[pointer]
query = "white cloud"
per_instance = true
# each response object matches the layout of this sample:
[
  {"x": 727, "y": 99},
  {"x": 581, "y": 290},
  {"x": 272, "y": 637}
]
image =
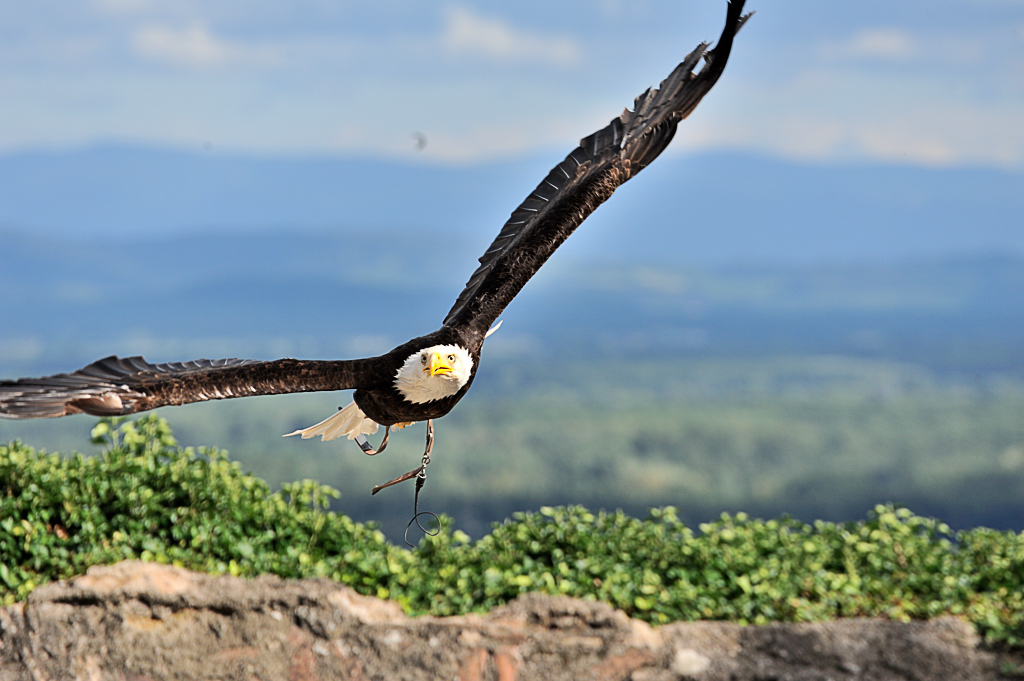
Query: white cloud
[
  {"x": 469, "y": 33},
  {"x": 272, "y": 79},
  {"x": 197, "y": 46},
  {"x": 825, "y": 114},
  {"x": 889, "y": 44},
  {"x": 891, "y": 47}
]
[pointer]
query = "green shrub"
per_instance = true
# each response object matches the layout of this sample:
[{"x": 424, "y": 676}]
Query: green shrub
[
  {"x": 894, "y": 565},
  {"x": 145, "y": 497}
]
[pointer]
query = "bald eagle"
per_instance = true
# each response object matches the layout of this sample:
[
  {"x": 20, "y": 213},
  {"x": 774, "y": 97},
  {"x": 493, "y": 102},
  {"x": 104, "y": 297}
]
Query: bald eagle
[{"x": 424, "y": 378}]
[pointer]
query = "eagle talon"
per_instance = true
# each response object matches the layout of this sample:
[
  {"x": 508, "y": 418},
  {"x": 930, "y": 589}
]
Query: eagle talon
[{"x": 368, "y": 449}]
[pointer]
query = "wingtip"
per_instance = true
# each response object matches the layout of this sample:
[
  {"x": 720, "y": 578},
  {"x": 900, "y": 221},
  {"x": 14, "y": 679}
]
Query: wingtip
[{"x": 744, "y": 19}]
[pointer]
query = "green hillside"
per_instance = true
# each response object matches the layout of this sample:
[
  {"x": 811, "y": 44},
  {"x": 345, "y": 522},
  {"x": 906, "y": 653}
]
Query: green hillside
[{"x": 816, "y": 437}]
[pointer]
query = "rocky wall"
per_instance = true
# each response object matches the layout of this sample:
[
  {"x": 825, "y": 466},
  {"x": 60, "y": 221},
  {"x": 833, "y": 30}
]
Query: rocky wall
[{"x": 143, "y": 622}]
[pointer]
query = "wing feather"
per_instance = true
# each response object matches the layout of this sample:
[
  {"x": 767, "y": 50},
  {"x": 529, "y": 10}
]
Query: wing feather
[
  {"x": 585, "y": 179},
  {"x": 116, "y": 386}
]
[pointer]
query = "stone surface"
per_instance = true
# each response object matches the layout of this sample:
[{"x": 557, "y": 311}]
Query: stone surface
[{"x": 145, "y": 622}]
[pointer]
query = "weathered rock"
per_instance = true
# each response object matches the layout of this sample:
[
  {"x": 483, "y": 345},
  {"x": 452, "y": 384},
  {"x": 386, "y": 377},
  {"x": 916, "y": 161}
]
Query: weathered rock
[{"x": 145, "y": 622}]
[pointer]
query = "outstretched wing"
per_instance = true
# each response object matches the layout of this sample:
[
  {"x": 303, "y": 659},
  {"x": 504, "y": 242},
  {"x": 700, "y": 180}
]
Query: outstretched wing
[
  {"x": 585, "y": 179},
  {"x": 117, "y": 386}
]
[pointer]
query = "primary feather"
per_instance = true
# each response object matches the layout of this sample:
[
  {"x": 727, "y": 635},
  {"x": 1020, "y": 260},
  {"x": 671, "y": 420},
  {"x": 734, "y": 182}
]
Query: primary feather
[
  {"x": 117, "y": 386},
  {"x": 586, "y": 178}
]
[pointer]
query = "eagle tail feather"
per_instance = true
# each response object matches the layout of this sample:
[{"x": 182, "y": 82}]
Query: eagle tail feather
[{"x": 350, "y": 421}]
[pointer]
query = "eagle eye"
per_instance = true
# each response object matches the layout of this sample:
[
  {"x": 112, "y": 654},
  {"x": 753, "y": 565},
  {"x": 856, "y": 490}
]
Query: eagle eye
[
  {"x": 451, "y": 358},
  {"x": 423, "y": 358}
]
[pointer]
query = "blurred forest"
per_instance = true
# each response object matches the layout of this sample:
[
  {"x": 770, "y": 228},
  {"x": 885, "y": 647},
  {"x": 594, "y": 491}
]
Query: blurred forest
[
  {"x": 813, "y": 390},
  {"x": 815, "y": 437}
]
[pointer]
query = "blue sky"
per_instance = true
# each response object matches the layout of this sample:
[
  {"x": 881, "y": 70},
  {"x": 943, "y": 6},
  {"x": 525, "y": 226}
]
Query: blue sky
[{"x": 934, "y": 84}]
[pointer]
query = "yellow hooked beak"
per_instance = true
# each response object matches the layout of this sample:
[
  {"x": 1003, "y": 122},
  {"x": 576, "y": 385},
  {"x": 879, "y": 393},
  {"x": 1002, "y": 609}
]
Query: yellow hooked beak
[{"x": 439, "y": 365}]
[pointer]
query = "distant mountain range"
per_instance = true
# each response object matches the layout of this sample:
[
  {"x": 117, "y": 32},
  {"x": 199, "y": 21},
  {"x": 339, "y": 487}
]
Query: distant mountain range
[
  {"x": 697, "y": 209},
  {"x": 176, "y": 255},
  {"x": 349, "y": 292}
]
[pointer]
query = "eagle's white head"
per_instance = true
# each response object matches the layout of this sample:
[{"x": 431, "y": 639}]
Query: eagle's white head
[{"x": 434, "y": 373}]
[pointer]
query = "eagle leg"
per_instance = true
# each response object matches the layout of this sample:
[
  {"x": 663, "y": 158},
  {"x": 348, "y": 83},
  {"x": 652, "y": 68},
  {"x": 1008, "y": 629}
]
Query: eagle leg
[
  {"x": 418, "y": 472},
  {"x": 364, "y": 444}
]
